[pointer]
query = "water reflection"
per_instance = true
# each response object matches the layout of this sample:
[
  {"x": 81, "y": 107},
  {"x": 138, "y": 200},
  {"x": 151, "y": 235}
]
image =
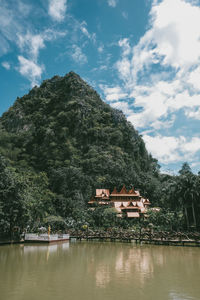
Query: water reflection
[
  {"x": 48, "y": 248},
  {"x": 99, "y": 271},
  {"x": 135, "y": 261},
  {"x": 148, "y": 270}
]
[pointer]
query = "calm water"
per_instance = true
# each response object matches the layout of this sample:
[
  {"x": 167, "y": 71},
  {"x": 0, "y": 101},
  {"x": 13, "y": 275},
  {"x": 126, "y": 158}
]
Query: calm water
[{"x": 92, "y": 271}]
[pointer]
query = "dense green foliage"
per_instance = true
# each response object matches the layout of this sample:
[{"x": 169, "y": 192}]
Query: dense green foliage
[
  {"x": 59, "y": 143},
  {"x": 24, "y": 198}
]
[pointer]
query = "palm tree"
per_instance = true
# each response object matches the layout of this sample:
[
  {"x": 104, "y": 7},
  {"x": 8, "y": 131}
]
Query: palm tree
[{"x": 188, "y": 192}]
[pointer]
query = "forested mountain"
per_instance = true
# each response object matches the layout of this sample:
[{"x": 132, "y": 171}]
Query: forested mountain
[
  {"x": 65, "y": 129},
  {"x": 64, "y": 123},
  {"x": 60, "y": 142}
]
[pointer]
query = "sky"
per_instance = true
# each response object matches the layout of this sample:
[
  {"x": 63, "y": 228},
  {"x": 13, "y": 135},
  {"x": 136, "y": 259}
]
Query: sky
[{"x": 141, "y": 56}]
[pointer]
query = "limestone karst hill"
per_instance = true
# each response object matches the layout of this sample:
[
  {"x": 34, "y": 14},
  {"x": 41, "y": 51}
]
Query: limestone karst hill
[{"x": 63, "y": 128}]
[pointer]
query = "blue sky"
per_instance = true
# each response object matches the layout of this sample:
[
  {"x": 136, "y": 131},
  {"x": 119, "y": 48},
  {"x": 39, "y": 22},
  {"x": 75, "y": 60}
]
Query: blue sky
[{"x": 142, "y": 56}]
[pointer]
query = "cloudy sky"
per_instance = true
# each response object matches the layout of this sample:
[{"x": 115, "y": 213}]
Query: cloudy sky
[{"x": 142, "y": 56}]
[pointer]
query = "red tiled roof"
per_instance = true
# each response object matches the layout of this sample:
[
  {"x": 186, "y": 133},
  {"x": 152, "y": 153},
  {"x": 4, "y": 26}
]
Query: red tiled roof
[
  {"x": 114, "y": 191},
  {"x": 132, "y": 191},
  {"x": 123, "y": 190}
]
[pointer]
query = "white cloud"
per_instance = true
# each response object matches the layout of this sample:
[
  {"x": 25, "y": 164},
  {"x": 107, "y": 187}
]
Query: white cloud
[
  {"x": 17, "y": 30},
  {"x": 6, "y": 65},
  {"x": 161, "y": 101},
  {"x": 9, "y": 24},
  {"x": 170, "y": 37},
  {"x": 123, "y": 106},
  {"x": 100, "y": 48},
  {"x": 103, "y": 67},
  {"x": 172, "y": 149},
  {"x": 184, "y": 100},
  {"x": 124, "y": 68},
  {"x": 163, "y": 148},
  {"x": 194, "y": 78},
  {"x": 174, "y": 45},
  {"x": 161, "y": 76},
  {"x": 24, "y": 8},
  {"x": 13, "y": 24},
  {"x": 124, "y": 65},
  {"x": 125, "y": 15},
  {"x": 154, "y": 107},
  {"x": 167, "y": 172},
  {"x": 195, "y": 164},
  {"x": 14, "y": 18},
  {"x": 112, "y": 3},
  {"x": 78, "y": 56},
  {"x": 30, "y": 70},
  {"x": 4, "y": 46},
  {"x": 31, "y": 44},
  {"x": 192, "y": 146},
  {"x": 194, "y": 114},
  {"x": 113, "y": 94},
  {"x": 175, "y": 32},
  {"x": 57, "y": 9},
  {"x": 125, "y": 45},
  {"x": 83, "y": 28}
]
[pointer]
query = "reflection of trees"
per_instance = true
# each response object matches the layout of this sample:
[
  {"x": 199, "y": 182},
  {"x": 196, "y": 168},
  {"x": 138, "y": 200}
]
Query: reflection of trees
[
  {"x": 102, "y": 276},
  {"x": 157, "y": 271},
  {"x": 135, "y": 261}
]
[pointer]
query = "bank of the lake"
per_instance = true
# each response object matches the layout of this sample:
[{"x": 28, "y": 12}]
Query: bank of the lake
[{"x": 149, "y": 236}]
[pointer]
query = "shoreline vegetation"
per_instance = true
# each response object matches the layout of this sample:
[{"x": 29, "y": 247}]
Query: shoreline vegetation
[{"x": 149, "y": 236}]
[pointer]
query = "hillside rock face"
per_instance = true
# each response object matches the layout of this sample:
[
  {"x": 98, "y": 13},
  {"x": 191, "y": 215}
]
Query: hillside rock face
[{"x": 64, "y": 129}]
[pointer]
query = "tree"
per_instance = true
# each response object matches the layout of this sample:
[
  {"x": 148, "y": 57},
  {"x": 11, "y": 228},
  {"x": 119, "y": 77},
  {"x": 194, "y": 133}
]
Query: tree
[
  {"x": 104, "y": 216},
  {"x": 24, "y": 198},
  {"x": 13, "y": 208},
  {"x": 188, "y": 193}
]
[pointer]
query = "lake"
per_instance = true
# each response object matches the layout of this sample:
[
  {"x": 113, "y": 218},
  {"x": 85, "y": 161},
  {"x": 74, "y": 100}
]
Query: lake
[{"x": 99, "y": 271}]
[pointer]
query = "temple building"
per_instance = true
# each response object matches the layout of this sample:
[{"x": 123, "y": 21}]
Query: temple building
[{"x": 127, "y": 203}]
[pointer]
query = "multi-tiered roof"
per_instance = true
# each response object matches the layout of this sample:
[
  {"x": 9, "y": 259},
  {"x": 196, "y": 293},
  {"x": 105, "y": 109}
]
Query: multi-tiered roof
[{"x": 127, "y": 203}]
